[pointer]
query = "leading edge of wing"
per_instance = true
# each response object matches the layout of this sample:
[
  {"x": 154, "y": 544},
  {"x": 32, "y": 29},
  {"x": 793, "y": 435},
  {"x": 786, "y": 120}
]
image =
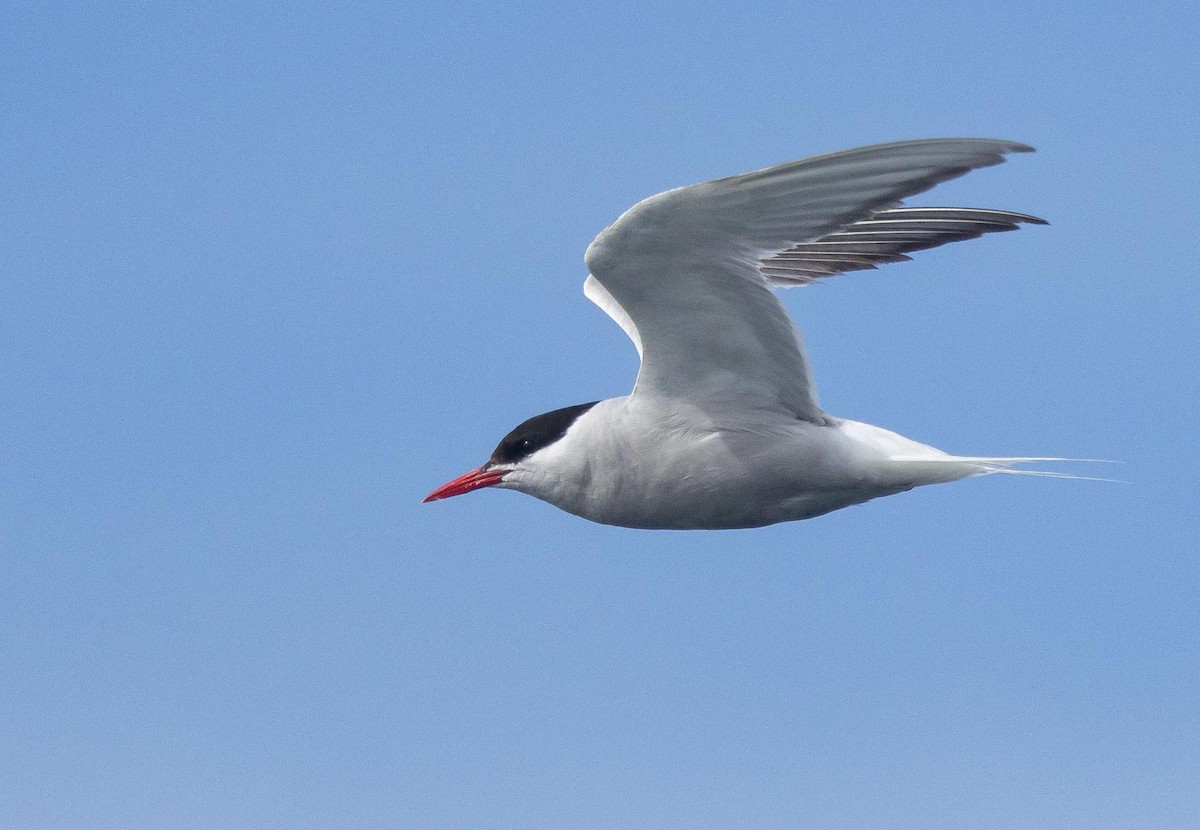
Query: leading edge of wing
[
  {"x": 765, "y": 211},
  {"x": 598, "y": 294}
]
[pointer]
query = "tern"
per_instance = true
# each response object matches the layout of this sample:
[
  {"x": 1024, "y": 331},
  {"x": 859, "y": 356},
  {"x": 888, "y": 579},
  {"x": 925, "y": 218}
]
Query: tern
[{"x": 723, "y": 428}]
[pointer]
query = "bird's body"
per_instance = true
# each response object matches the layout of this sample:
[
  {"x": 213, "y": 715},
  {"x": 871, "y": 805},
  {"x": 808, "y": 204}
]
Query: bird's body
[
  {"x": 723, "y": 428},
  {"x": 660, "y": 464}
]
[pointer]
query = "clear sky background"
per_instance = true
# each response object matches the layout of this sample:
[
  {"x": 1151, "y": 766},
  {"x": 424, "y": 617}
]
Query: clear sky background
[{"x": 272, "y": 272}]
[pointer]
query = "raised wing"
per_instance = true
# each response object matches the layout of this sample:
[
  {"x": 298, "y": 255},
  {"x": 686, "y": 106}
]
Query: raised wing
[{"x": 689, "y": 270}]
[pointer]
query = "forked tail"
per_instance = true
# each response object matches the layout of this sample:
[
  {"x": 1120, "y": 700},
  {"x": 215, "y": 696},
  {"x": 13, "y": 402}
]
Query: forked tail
[
  {"x": 918, "y": 463},
  {"x": 987, "y": 465}
]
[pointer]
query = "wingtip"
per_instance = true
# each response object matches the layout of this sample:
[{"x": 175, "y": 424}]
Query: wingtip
[
  {"x": 1002, "y": 144},
  {"x": 1026, "y": 219}
]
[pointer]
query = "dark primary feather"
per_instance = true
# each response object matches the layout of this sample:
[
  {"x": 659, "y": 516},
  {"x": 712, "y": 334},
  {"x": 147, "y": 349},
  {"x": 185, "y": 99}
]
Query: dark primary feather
[{"x": 885, "y": 236}]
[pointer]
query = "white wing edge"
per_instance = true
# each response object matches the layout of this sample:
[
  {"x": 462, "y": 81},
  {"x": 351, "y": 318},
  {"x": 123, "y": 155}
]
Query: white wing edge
[{"x": 598, "y": 294}]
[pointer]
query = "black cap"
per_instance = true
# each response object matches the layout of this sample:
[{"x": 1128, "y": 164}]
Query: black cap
[{"x": 539, "y": 431}]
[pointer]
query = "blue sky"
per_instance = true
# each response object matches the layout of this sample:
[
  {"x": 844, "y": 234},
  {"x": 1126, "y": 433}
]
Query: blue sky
[{"x": 273, "y": 272}]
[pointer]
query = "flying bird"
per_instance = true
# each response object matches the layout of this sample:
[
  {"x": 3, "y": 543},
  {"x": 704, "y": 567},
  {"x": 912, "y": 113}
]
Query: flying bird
[{"x": 723, "y": 428}]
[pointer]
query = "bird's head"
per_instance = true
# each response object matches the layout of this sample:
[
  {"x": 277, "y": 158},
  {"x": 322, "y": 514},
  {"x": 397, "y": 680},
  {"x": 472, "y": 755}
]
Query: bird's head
[{"x": 517, "y": 454}]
